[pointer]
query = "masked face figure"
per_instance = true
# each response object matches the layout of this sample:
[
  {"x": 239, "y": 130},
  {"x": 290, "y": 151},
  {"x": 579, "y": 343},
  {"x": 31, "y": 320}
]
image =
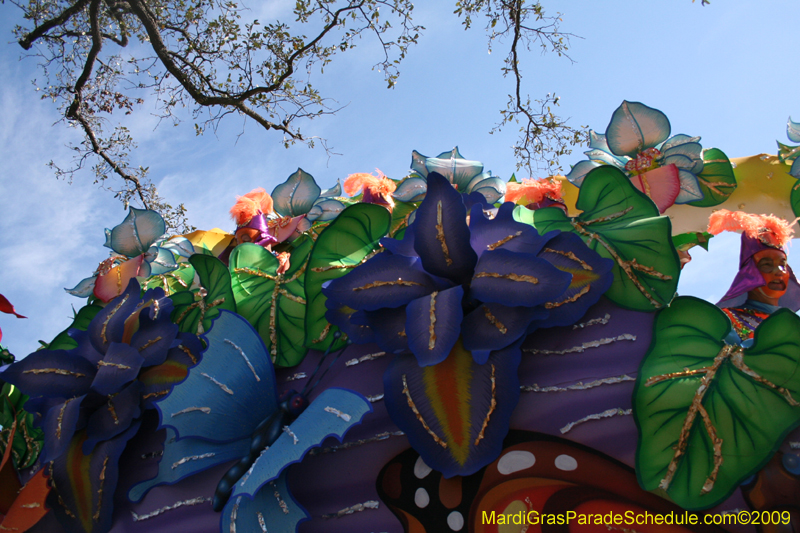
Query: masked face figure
[{"x": 773, "y": 268}]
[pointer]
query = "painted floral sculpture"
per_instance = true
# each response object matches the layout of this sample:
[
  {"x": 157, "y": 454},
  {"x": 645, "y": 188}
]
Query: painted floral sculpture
[{"x": 469, "y": 344}]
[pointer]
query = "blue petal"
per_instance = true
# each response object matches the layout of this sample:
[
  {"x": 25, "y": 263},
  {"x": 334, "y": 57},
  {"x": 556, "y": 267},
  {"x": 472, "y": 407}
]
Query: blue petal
[
  {"x": 456, "y": 169},
  {"x": 676, "y": 140},
  {"x": 411, "y": 190},
  {"x": 634, "y": 127},
  {"x": 433, "y": 324},
  {"x": 493, "y": 189},
  {"x": 591, "y": 277},
  {"x": 160, "y": 261},
  {"x": 793, "y": 130},
  {"x": 795, "y": 170},
  {"x": 59, "y": 426},
  {"x": 180, "y": 246},
  {"x": 154, "y": 338},
  {"x": 325, "y": 210},
  {"x": 344, "y": 318},
  {"x": 253, "y": 514},
  {"x": 690, "y": 188},
  {"x": 691, "y": 150},
  {"x": 336, "y": 190},
  {"x": 120, "y": 365},
  {"x": 114, "y": 417},
  {"x": 405, "y": 246},
  {"x": 140, "y": 229},
  {"x": 383, "y": 281},
  {"x": 418, "y": 163},
  {"x": 84, "y": 288},
  {"x": 56, "y": 373},
  {"x": 503, "y": 232},
  {"x": 109, "y": 324},
  {"x": 517, "y": 279},
  {"x": 605, "y": 158},
  {"x": 296, "y": 195},
  {"x": 441, "y": 235},
  {"x": 389, "y": 326},
  {"x": 494, "y": 326},
  {"x": 579, "y": 171}
]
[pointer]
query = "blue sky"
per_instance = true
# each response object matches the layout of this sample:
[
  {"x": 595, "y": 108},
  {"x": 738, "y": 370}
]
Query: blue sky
[{"x": 722, "y": 72}]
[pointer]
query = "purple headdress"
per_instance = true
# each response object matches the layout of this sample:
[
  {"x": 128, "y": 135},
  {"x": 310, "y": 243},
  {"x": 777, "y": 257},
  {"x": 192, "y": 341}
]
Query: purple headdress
[
  {"x": 759, "y": 232},
  {"x": 250, "y": 211}
]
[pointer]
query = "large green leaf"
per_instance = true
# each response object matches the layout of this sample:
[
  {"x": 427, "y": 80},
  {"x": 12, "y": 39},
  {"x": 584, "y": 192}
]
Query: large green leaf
[
  {"x": 178, "y": 280},
  {"x": 196, "y": 309},
  {"x": 716, "y": 180},
  {"x": 81, "y": 321},
  {"x": 343, "y": 245},
  {"x": 400, "y": 217},
  {"x": 710, "y": 414},
  {"x": 795, "y": 198},
  {"x": 28, "y": 440},
  {"x": 273, "y": 303},
  {"x": 622, "y": 224}
]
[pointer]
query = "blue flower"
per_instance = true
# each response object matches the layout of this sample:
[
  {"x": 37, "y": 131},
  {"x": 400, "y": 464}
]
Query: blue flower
[
  {"x": 467, "y": 177},
  {"x": 638, "y": 142},
  {"x": 484, "y": 278}
]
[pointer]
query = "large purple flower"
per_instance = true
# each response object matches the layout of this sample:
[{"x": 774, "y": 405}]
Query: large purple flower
[
  {"x": 89, "y": 400},
  {"x": 484, "y": 277}
]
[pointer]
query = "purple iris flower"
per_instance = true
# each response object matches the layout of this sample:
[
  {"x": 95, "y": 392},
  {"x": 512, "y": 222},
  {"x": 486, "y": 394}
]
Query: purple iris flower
[{"x": 483, "y": 277}]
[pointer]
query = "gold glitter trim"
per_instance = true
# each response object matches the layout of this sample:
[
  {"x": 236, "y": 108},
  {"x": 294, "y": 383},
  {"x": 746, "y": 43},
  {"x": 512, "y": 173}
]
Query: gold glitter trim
[
  {"x": 193, "y": 501},
  {"x": 573, "y": 298},
  {"x": 338, "y": 413},
  {"x": 60, "y": 418},
  {"x": 714, "y": 184},
  {"x": 96, "y": 515},
  {"x": 440, "y": 234},
  {"x": 204, "y": 410},
  {"x": 59, "y": 371},
  {"x": 281, "y": 503},
  {"x": 113, "y": 411},
  {"x": 512, "y": 277},
  {"x": 413, "y": 407},
  {"x": 492, "y": 407},
  {"x": 504, "y": 240},
  {"x": 344, "y": 267},
  {"x": 592, "y": 322},
  {"x": 149, "y": 343},
  {"x": 184, "y": 460},
  {"x": 377, "y": 438},
  {"x": 368, "y": 357},
  {"x": 244, "y": 356},
  {"x": 115, "y": 365},
  {"x": 493, "y": 320},
  {"x": 288, "y": 431},
  {"x": 155, "y": 394},
  {"x": 432, "y": 325},
  {"x": 217, "y": 383},
  {"x": 572, "y": 256},
  {"x": 325, "y": 331},
  {"x": 402, "y": 282},
  {"x": 186, "y": 350}
]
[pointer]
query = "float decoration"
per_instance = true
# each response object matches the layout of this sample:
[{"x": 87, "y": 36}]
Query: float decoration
[
  {"x": 273, "y": 301},
  {"x": 347, "y": 242},
  {"x": 700, "y": 403},
  {"x": 622, "y": 224},
  {"x": 467, "y": 176},
  {"x": 196, "y": 308},
  {"x": 300, "y": 195},
  {"x": 790, "y": 153},
  {"x": 716, "y": 180}
]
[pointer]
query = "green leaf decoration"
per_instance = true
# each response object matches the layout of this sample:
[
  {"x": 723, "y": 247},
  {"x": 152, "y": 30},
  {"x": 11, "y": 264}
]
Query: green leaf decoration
[
  {"x": 28, "y": 440},
  {"x": 795, "y": 199},
  {"x": 400, "y": 217},
  {"x": 347, "y": 242},
  {"x": 196, "y": 309},
  {"x": 787, "y": 153},
  {"x": 176, "y": 281},
  {"x": 710, "y": 414},
  {"x": 622, "y": 224},
  {"x": 81, "y": 321},
  {"x": 687, "y": 241},
  {"x": 716, "y": 180},
  {"x": 273, "y": 303}
]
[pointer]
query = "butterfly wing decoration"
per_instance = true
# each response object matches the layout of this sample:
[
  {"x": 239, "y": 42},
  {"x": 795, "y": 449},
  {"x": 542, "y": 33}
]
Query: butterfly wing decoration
[
  {"x": 259, "y": 498},
  {"x": 535, "y": 475},
  {"x": 211, "y": 416}
]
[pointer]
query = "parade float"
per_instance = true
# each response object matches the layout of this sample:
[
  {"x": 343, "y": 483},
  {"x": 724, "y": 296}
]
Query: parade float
[{"x": 448, "y": 351}]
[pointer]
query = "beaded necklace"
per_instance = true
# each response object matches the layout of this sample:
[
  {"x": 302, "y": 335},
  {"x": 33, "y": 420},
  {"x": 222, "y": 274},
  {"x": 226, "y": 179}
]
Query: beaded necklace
[{"x": 745, "y": 321}]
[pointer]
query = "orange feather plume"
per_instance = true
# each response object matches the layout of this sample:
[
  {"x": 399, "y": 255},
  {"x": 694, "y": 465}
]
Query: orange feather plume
[
  {"x": 534, "y": 191},
  {"x": 250, "y": 205},
  {"x": 377, "y": 185},
  {"x": 769, "y": 229}
]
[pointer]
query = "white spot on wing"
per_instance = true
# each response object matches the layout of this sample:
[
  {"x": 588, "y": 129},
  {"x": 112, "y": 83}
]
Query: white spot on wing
[
  {"x": 421, "y": 498},
  {"x": 515, "y": 461},
  {"x": 566, "y": 463},
  {"x": 421, "y": 469}
]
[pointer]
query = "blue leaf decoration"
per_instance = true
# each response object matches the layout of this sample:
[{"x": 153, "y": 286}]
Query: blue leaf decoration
[
  {"x": 140, "y": 229},
  {"x": 411, "y": 189},
  {"x": 793, "y": 130},
  {"x": 634, "y": 127},
  {"x": 296, "y": 195}
]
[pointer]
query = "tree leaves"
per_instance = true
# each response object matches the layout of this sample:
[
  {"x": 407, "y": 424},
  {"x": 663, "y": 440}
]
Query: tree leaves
[
  {"x": 700, "y": 404},
  {"x": 346, "y": 243},
  {"x": 273, "y": 303},
  {"x": 622, "y": 224}
]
